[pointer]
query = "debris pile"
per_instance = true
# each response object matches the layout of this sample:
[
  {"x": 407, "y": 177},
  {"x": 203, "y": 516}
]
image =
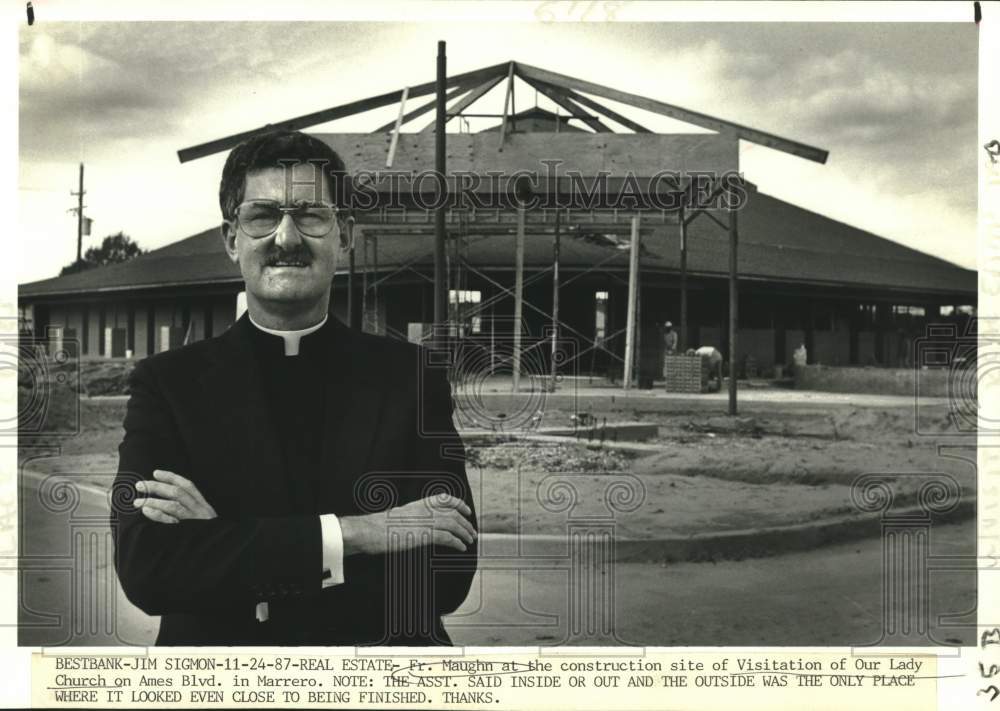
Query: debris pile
[{"x": 547, "y": 457}]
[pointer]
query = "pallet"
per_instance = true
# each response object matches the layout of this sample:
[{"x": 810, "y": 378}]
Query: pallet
[{"x": 684, "y": 374}]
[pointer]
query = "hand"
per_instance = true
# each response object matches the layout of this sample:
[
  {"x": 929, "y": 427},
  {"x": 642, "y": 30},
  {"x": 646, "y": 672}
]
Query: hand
[
  {"x": 179, "y": 499},
  {"x": 448, "y": 525}
]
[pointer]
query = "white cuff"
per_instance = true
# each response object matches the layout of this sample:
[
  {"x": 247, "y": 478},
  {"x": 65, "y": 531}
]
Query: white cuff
[{"x": 333, "y": 550}]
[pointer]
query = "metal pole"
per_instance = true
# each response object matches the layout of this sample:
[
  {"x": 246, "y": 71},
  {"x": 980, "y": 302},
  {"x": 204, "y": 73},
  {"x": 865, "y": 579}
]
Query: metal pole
[
  {"x": 440, "y": 290},
  {"x": 364, "y": 283},
  {"x": 79, "y": 219},
  {"x": 633, "y": 268},
  {"x": 518, "y": 294},
  {"x": 555, "y": 301},
  {"x": 352, "y": 321},
  {"x": 682, "y": 340},
  {"x": 375, "y": 281},
  {"x": 733, "y": 308},
  {"x": 637, "y": 367}
]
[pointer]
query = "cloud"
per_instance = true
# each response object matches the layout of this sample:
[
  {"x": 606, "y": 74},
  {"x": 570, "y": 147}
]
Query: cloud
[
  {"x": 894, "y": 104},
  {"x": 71, "y": 97}
]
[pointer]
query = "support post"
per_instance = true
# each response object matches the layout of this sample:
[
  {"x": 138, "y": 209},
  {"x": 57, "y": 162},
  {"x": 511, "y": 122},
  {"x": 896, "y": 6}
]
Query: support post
[
  {"x": 364, "y": 283},
  {"x": 637, "y": 348},
  {"x": 555, "y": 303},
  {"x": 493, "y": 329},
  {"x": 518, "y": 294},
  {"x": 440, "y": 290},
  {"x": 633, "y": 271},
  {"x": 682, "y": 341},
  {"x": 375, "y": 280},
  {"x": 733, "y": 307},
  {"x": 352, "y": 320}
]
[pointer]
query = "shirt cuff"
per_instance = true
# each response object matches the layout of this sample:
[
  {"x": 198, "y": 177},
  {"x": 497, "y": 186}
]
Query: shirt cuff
[{"x": 333, "y": 550}]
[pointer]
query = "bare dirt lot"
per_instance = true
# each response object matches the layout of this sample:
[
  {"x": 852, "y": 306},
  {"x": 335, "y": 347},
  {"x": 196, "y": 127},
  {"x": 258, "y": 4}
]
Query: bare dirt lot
[{"x": 703, "y": 471}]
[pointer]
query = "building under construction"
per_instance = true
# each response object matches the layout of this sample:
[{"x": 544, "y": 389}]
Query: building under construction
[{"x": 586, "y": 284}]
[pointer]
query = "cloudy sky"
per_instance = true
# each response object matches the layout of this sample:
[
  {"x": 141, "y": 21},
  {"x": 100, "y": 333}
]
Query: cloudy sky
[{"x": 894, "y": 104}]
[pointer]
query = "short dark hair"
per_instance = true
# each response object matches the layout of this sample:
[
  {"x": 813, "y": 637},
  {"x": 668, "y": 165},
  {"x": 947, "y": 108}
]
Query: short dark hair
[{"x": 276, "y": 149}]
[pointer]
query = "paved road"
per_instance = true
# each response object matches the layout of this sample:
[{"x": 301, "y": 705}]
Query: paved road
[{"x": 829, "y": 596}]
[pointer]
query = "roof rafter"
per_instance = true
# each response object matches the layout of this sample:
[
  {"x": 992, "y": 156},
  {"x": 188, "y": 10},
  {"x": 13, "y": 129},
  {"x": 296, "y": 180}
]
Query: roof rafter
[
  {"x": 424, "y": 108},
  {"x": 466, "y": 101},
  {"x": 557, "y": 95},
  {"x": 699, "y": 119},
  {"x": 348, "y": 109},
  {"x": 508, "y": 95},
  {"x": 566, "y": 88},
  {"x": 608, "y": 113}
]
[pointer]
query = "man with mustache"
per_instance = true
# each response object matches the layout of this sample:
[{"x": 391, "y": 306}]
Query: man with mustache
[{"x": 292, "y": 481}]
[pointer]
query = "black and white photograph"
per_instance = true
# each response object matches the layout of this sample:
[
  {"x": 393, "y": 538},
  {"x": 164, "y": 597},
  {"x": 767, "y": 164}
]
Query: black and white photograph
[{"x": 482, "y": 333}]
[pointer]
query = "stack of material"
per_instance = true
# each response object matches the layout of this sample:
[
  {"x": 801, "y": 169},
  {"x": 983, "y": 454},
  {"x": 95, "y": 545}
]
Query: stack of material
[{"x": 683, "y": 373}]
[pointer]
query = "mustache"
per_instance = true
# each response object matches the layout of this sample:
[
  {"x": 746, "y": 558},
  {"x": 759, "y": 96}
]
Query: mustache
[{"x": 295, "y": 255}]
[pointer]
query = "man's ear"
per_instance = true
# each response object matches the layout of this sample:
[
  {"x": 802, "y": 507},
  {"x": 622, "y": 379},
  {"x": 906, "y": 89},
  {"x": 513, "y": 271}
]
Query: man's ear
[
  {"x": 228, "y": 232},
  {"x": 346, "y": 228}
]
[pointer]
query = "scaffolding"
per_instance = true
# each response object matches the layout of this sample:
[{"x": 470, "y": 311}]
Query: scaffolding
[{"x": 590, "y": 151}]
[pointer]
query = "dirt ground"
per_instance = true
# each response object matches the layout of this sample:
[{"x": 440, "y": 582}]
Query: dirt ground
[{"x": 703, "y": 471}]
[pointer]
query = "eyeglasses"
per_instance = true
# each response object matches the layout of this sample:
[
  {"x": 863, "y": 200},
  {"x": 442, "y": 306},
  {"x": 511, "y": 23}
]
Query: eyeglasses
[{"x": 260, "y": 218}]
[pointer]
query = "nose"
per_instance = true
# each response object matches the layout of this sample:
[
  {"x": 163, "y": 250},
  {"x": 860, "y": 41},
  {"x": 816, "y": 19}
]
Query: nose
[{"x": 287, "y": 234}]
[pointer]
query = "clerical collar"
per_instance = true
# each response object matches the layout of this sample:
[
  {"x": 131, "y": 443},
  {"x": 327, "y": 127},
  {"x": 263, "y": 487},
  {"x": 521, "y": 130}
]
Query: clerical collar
[{"x": 291, "y": 338}]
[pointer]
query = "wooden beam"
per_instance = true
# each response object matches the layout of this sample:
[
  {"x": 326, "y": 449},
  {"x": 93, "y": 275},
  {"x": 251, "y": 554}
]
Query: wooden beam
[
  {"x": 620, "y": 154},
  {"x": 556, "y": 94},
  {"x": 555, "y": 304},
  {"x": 733, "y": 308},
  {"x": 506, "y": 104},
  {"x": 633, "y": 282},
  {"x": 605, "y": 111},
  {"x": 518, "y": 295},
  {"x": 423, "y": 108},
  {"x": 699, "y": 119},
  {"x": 467, "y": 100},
  {"x": 395, "y": 131},
  {"x": 354, "y": 107},
  {"x": 682, "y": 340}
]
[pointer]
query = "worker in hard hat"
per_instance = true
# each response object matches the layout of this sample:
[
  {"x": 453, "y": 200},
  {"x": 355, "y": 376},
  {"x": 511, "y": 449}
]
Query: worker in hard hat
[{"x": 669, "y": 339}]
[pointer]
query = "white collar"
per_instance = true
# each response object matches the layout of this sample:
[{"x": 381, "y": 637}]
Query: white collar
[{"x": 291, "y": 337}]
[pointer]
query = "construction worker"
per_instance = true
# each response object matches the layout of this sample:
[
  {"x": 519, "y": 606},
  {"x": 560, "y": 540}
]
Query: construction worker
[
  {"x": 711, "y": 360},
  {"x": 669, "y": 339}
]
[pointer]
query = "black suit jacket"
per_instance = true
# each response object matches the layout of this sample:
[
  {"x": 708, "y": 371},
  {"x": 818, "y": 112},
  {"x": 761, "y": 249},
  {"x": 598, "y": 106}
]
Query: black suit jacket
[{"x": 200, "y": 412}]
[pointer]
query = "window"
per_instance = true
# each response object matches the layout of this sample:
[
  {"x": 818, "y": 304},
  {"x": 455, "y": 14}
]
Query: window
[
  {"x": 164, "y": 338},
  {"x": 464, "y": 307},
  {"x": 601, "y": 316},
  {"x": 464, "y": 296},
  {"x": 26, "y": 319},
  {"x": 867, "y": 315},
  {"x": 417, "y": 332},
  {"x": 954, "y": 310}
]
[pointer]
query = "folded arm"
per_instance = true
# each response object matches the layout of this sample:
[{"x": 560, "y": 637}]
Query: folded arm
[
  {"x": 198, "y": 564},
  {"x": 436, "y": 499}
]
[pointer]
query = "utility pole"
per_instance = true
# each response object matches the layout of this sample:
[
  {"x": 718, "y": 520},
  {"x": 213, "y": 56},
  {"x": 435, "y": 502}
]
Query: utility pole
[{"x": 79, "y": 218}]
